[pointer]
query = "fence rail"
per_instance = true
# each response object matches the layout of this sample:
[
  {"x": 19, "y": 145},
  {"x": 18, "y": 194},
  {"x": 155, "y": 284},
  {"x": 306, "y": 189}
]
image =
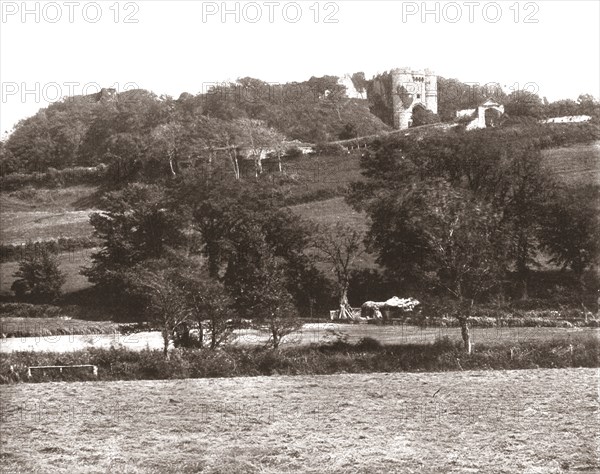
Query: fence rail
[{"x": 43, "y": 368}]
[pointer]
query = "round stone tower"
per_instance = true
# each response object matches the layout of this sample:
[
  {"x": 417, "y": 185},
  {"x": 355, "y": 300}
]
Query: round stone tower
[{"x": 431, "y": 91}]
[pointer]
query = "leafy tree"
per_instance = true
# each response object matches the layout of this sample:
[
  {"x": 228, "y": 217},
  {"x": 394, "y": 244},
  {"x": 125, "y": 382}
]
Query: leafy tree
[
  {"x": 229, "y": 216},
  {"x": 359, "y": 82},
  {"x": 255, "y": 237},
  {"x": 134, "y": 113},
  {"x": 570, "y": 227},
  {"x": 561, "y": 108},
  {"x": 53, "y": 136},
  {"x": 124, "y": 156},
  {"x": 522, "y": 191},
  {"x": 259, "y": 289},
  {"x": 32, "y": 145},
  {"x": 38, "y": 277},
  {"x": 8, "y": 163},
  {"x": 224, "y": 102},
  {"x": 522, "y": 103},
  {"x": 137, "y": 224},
  {"x": 380, "y": 96},
  {"x": 348, "y": 132},
  {"x": 258, "y": 139},
  {"x": 588, "y": 105},
  {"x": 499, "y": 167},
  {"x": 328, "y": 91},
  {"x": 438, "y": 236},
  {"x": 167, "y": 140},
  {"x": 454, "y": 95},
  {"x": 208, "y": 304},
  {"x": 212, "y": 206},
  {"x": 422, "y": 116}
]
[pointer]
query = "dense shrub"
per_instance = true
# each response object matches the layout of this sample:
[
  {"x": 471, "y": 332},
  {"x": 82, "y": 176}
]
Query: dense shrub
[
  {"x": 26, "y": 310},
  {"x": 315, "y": 195},
  {"x": 330, "y": 149},
  {"x": 53, "y": 178},
  {"x": 38, "y": 278},
  {"x": 293, "y": 152},
  {"x": 340, "y": 357},
  {"x": 13, "y": 252},
  {"x": 368, "y": 344}
]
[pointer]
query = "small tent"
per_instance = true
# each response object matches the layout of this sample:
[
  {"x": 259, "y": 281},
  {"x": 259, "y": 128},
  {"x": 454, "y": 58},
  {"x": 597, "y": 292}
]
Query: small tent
[{"x": 387, "y": 309}]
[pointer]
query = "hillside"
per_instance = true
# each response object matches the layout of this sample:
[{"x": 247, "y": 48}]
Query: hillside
[
  {"x": 46, "y": 214},
  {"x": 575, "y": 165},
  {"x": 137, "y": 126},
  {"x": 313, "y": 187}
]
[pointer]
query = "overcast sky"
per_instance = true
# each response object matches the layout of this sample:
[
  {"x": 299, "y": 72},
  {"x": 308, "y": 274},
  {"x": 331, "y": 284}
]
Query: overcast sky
[{"x": 63, "y": 48}]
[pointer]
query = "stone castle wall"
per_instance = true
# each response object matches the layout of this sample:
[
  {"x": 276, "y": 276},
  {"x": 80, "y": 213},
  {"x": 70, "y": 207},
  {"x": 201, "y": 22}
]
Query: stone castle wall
[{"x": 412, "y": 88}]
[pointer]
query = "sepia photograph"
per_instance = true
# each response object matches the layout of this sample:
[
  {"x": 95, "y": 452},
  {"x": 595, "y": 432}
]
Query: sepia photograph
[{"x": 309, "y": 236}]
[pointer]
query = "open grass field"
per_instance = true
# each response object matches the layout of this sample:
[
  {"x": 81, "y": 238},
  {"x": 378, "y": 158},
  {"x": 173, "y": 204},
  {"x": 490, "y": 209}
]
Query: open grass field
[
  {"x": 46, "y": 214},
  {"x": 332, "y": 211},
  {"x": 70, "y": 264},
  {"x": 526, "y": 421},
  {"x": 20, "y": 227},
  {"x": 309, "y": 176},
  {"x": 576, "y": 165}
]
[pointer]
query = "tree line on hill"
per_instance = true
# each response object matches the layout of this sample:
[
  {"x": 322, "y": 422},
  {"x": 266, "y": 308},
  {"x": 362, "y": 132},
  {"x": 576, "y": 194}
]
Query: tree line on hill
[
  {"x": 137, "y": 129},
  {"x": 138, "y": 134}
]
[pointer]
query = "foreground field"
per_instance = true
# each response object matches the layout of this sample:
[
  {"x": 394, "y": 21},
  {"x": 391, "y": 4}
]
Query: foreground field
[{"x": 529, "y": 421}]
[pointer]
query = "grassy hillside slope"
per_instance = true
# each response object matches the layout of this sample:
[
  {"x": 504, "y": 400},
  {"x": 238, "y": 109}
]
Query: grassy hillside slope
[{"x": 575, "y": 165}]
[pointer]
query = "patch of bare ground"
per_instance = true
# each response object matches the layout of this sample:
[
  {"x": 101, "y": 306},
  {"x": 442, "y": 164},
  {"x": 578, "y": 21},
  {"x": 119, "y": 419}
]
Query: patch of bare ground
[{"x": 529, "y": 421}]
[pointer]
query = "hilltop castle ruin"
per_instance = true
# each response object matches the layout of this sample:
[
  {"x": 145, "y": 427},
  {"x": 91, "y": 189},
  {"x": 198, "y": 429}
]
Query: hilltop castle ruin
[{"x": 411, "y": 89}]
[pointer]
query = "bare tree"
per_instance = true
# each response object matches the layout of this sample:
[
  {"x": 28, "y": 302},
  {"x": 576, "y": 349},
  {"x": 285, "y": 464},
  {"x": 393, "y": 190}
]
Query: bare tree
[
  {"x": 259, "y": 139},
  {"x": 166, "y": 303},
  {"x": 167, "y": 140},
  {"x": 274, "y": 309},
  {"x": 208, "y": 305},
  {"x": 340, "y": 246}
]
